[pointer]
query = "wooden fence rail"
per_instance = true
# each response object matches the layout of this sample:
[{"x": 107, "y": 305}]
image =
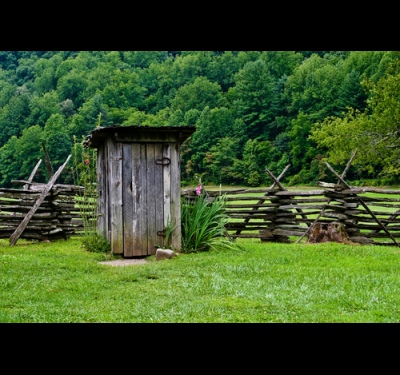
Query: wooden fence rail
[
  {"x": 369, "y": 215},
  {"x": 56, "y": 217},
  {"x": 276, "y": 215}
]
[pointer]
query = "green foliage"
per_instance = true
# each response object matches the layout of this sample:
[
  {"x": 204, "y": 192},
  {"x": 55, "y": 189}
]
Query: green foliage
[
  {"x": 85, "y": 166},
  {"x": 254, "y": 98},
  {"x": 94, "y": 242},
  {"x": 42, "y": 107},
  {"x": 232, "y": 95},
  {"x": 85, "y": 176},
  {"x": 19, "y": 156},
  {"x": 255, "y": 158},
  {"x": 214, "y": 149},
  {"x": 57, "y": 139},
  {"x": 197, "y": 95},
  {"x": 203, "y": 224},
  {"x": 374, "y": 132},
  {"x": 220, "y": 162}
]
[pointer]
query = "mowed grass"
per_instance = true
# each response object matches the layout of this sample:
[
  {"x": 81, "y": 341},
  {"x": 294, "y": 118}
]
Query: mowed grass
[{"x": 256, "y": 283}]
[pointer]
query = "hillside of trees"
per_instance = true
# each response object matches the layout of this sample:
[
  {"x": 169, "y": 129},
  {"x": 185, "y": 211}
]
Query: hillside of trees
[{"x": 252, "y": 110}]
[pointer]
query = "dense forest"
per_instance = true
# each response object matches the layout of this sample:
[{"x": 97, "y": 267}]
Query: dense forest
[{"x": 252, "y": 110}]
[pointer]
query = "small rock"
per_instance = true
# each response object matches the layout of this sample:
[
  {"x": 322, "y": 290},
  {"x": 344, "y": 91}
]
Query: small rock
[{"x": 165, "y": 254}]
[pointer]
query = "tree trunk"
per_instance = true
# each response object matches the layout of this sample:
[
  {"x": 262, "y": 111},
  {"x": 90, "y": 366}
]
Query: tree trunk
[{"x": 328, "y": 232}]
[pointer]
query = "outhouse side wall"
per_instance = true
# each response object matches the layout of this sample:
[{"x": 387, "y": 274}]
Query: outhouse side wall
[{"x": 109, "y": 179}]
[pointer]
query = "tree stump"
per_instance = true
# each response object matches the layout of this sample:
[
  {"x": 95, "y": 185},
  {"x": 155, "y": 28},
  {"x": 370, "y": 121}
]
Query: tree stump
[{"x": 328, "y": 232}]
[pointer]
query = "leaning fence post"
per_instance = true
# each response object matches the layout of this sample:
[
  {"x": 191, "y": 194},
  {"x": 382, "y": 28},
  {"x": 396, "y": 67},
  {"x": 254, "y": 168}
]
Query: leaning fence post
[{"x": 17, "y": 233}]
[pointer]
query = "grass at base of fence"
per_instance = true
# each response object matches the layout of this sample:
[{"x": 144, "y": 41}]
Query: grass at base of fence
[{"x": 262, "y": 282}]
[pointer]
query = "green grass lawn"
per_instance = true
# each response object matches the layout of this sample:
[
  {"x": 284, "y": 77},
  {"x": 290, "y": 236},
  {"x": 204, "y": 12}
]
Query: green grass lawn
[{"x": 257, "y": 283}]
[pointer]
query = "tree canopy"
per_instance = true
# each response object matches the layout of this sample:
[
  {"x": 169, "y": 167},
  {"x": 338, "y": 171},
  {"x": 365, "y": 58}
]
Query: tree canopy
[{"x": 252, "y": 109}]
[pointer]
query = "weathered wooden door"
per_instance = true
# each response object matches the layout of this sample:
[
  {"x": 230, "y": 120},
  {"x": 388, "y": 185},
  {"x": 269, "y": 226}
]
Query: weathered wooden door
[{"x": 146, "y": 193}]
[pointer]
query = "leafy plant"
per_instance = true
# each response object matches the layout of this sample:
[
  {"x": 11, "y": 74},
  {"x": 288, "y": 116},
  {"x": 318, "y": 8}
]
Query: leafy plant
[
  {"x": 85, "y": 175},
  {"x": 203, "y": 223},
  {"x": 94, "y": 242}
]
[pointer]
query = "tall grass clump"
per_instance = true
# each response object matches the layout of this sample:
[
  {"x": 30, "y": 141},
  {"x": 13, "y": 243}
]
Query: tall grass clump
[{"x": 203, "y": 223}]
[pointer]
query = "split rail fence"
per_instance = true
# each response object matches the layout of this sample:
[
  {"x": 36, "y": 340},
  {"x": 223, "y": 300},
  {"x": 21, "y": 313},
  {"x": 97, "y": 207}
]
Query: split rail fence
[
  {"x": 56, "y": 218},
  {"x": 276, "y": 214},
  {"x": 40, "y": 211},
  {"x": 289, "y": 216},
  {"x": 367, "y": 215}
]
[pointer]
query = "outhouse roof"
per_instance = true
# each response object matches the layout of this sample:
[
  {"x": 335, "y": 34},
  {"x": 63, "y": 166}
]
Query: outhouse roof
[{"x": 138, "y": 133}]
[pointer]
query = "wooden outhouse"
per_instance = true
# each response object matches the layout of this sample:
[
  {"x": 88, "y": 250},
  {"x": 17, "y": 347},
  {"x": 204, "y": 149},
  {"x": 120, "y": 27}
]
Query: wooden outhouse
[{"x": 138, "y": 175}]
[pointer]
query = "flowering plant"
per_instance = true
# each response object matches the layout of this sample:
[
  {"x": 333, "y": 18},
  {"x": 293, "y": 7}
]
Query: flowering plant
[
  {"x": 198, "y": 189},
  {"x": 203, "y": 222}
]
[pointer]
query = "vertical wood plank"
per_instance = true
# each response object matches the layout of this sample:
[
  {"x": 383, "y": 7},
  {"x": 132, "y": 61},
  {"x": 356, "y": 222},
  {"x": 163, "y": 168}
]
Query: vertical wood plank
[
  {"x": 128, "y": 197},
  {"x": 102, "y": 196},
  {"x": 166, "y": 189},
  {"x": 158, "y": 239},
  {"x": 151, "y": 197},
  {"x": 139, "y": 178},
  {"x": 116, "y": 219},
  {"x": 26, "y": 186},
  {"x": 107, "y": 183},
  {"x": 176, "y": 196}
]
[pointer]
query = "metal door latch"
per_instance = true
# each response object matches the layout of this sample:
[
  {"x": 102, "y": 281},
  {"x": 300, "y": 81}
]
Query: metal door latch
[{"x": 163, "y": 161}]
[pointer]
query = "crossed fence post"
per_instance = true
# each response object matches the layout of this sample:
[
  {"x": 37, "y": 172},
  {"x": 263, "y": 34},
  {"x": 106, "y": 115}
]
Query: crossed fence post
[
  {"x": 330, "y": 199},
  {"x": 262, "y": 200}
]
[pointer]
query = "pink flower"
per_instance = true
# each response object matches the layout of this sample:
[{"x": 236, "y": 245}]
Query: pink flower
[
  {"x": 87, "y": 161},
  {"x": 198, "y": 189}
]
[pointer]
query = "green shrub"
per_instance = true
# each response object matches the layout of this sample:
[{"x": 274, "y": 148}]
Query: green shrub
[
  {"x": 94, "y": 242},
  {"x": 203, "y": 224},
  {"x": 85, "y": 174}
]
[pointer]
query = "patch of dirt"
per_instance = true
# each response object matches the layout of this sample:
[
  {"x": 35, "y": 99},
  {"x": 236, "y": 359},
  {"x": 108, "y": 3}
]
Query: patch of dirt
[{"x": 124, "y": 262}]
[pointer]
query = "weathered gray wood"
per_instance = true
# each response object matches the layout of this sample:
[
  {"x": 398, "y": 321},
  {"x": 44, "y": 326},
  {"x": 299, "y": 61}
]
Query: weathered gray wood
[
  {"x": 134, "y": 200},
  {"x": 26, "y": 186},
  {"x": 245, "y": 206},
  {"x": 290, "y": 233},
  {"x": 115, "y": 196},
  {"x": 379, "y": 204},
  {"x": 243, "y": 225},
  {"x": 335, "y": 215},
  {"x": 175, "y": 182},
  {"x": 283, "y": 189},
  {"x": 301, "y": 200},
  {"x": 102, "y": 197},
  {"x": 131, "y": 192},
  {"x": 263, "y": 199},
  {"x": 362, "y": 240},
  {"x": 149, "y": 137},
  {"x": 300, "y": 193},
  {"x": 364, "y": 205},
  {"x": 373, "y": 234},
  {"x": 151, "y": 197},
  {"x": 329, "y": 185},
  {"x": 378, "y": 191},
  {"x": 300, "y": 207},
  {"x": 15, "y": 236},
  {"x": 323, "y": 210},
  {"x": 165, "y": 191}
]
